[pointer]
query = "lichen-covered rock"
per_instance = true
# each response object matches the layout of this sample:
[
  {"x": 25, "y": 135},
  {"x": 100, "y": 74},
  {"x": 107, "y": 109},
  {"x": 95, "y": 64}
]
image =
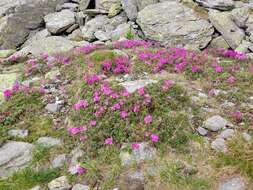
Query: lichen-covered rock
[
  {"x": 215, "y": 123},
  {"x": 25, "y": 16},
  {"x": 14, "y": 156},
  {"x": 217, "y": 4},
  {"x": 229, "y": 30},
  {"x": 143, "y": 3},
  {"x": 173, "y": 23},
  {"x": 219, "y": 42},
  {"x": 60, "y": 183},
  {"x": 235, "y": 183},
  {"x": 107, "y": 4}
]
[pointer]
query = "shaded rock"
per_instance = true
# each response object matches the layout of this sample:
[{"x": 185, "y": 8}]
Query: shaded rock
[
  {"x": 229, "y": 30},
  {"x": 59, "y": 21},
  {"x": 158, "y": 22},
  {"x": 217, "y": 4},
  {"x": 240, "y": 16},
  {"x": 37, "y": 36},
  {"x": 49, "y": 141},
  {"x": 14, "y": 156},
  {"x": 130, "y": 7},
  {"x": 219, "y": 145},
  {"x": 58, "y": 161},
  {"x": 235, "y": 183},
  {"x": 76, "y": 35},
  {"x": 80, "y": 187},
  {"x": 53, "y": 108},
  {"x": 18, "y": 133},
  {"x": 72, "y": 28},
  {"x": 144, "y": 153},
  {"x": 219, "y": 42},
  {"x": 132, "y": 86},
  {"x": 215, "y": 123},
  {"x": 132, "y": 181},
  {"x": 60, "y": 183},
  {"x": 227, "y": 134},
  {"x": 70, "y": 6},
  {"x": 83, "y": 4},
  {"x": 25, "y": 15},
  {"x": 202, "y": 131},
  {"x": 50, "y": 45},
  {"x": 6, "y": 53}
]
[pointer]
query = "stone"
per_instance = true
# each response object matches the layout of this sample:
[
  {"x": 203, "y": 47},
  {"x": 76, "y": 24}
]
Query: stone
[
  {"x": 229, "y": 30},
  {"x": 240, "y": 16},
  {"x": 37, "y": 36},
  {"x": 80, "y": 18},
  {"x": 14, "y": 156},
  {"x": 83, "y": 4},
  {"x": 132, "y": 181},
  {"x": 59, "y": 161},
  {"x": 227, "y": 134},
  {"x": 75, "y": 154},
  {"x": 53, "y": 108},
  {"x": 235, "y": 183},
  {"x": 215, "y": 123},
  {"x": 132, "y": 86},
  {"x": 219, "y": 42},
  {"x": 244, "y": 47},
  {"x": 144, "y": 153},
  {"x": 92, "y": 26},
  {"x": 70, "y": 6},
  {"x": 141, "y": 4},
  {"x": 80, "y": 187},
  {"x": 6, "y": 53},
  {"x": 72, "y": 28},
  {"x": 76, "y": 35},
  {"x": 122, "y": 31},
  {"x": 24, "y": 16},
  {"x": 174, "y": 24},
  {"x": 102, "y": 35},
  {"x": 59, "y": 21},
  {"x": 49, "y": 141},
  {"x": 202, "y": 131},
  {"x": 107, "y": 4},
  {"x": 246, "y": 137},
  {"x": 50, "y": 45},
  {"x": 60, "y": 183},
  {"x": 36, "y": 188},
  {"x": 219, "y": 145},
  {"x": 131, "y": 9},
  {"x": 217, "y": 4},
  {"x": 18, "y": 133}
]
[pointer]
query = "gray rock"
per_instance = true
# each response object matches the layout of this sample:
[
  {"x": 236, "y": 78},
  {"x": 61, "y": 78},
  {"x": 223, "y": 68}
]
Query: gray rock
[
  {"x": 215, "y": 123},
  {"x": 102, "y": 35},
  {"x": 72, "y": 28},
  {"x": 202, "y": 131},
  {"x": 132, "y": 86},
  {"x": 143, "y": 3},
  {"x": 235, "y": 183},
  {"x": 75, "y": 154},
  {"x": 53, "y": 108},
  {"x": 227, "y": 134},
  {"x": 76, "y": 35},
  {"x": 14, "y": 156},
  {"x": 229, "y": 30},
  {"x": 240, "y": 16},
  {"x": 132, "y": 181},
  {"x": 130, "y": 7},
  {"x": 50, "y": 45},
  {"x": 219, "y": 42},
  {"x": 246, "y": 137},
  {"x": 219, "y": 145},
  {"x": 217, "y": 4},
  {"x": 18, "y": 133},
  {"x": 70, "y": 6},
  {"x": 83, "y": 4},
  {"x": 244, "y": 47},
  {"x": 144, "y": 153},
  {"x": 80, "y": 187},
  {"x": 60, "y": 183},
  {"x": 36, "y": 188},
  {"x": 80, "y": 18},
  {"x": 37, "y": 36},
  {"x": 107, "y": 4},
  {"x": 59, "y": 161},
  {"x": 49, "y": 141},
  {"x": 25, "y": 15},
  {"x": 59, "y": 21},
  {"x": 173, "y": 24}
]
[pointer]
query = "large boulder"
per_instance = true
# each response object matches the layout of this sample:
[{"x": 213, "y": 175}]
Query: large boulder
[
  {"x": 217, "y": 4},
  {"x": 21, "y": 17},
  {"x": 59, "y": 21},
  {"x": 172, "y": 23},
  {"x": 130, "y": 7},
  {"x": 143, "y": 3},
  {"x": 14, "y": 156},
  {"x": 229, "y": 30}
]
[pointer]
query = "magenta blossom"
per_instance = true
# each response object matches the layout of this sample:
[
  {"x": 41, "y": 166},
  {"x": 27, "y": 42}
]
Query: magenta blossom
[
  {"x": 109, "y": 141},
  {"x": 7, "y": 94},
  {"x": 81, "y": 104},
  {"x": 93, "y": 123},
  {"x": 74, "y": 130},
  {"x": 237, "y": 116},
  {"x": 123, "y": 114},
  {"x": 136, "y": 108},
  {"x": 148, "y": 119},
  {"x": 83, "y": 138},
  {"x": 135, "y": 146},
  {"x": 154, "y": 138},
  {"x": 167, "y": 84},
  {"x": 141, "y": 91},
  {"x": 231, "y": 80},
  {"x": 80, "y": 170}
]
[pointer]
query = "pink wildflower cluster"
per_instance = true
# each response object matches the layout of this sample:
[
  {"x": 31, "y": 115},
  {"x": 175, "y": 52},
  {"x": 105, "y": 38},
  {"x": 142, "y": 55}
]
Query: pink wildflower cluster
[
  {"x": 86, "y": 49},
  {"x": 92, "y": 79},
  {"x": 31, "y": 66},
  {"x": 120, "y": 66},
  {"x": 130, "y": 44},
  {"x": 231, "y": 54},
  {"x": 81, "y": 104},
  {"x": 237, "y": 115}
]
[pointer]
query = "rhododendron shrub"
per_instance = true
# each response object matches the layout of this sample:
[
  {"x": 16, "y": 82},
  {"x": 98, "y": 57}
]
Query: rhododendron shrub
[{"x": 113, "y": 116}]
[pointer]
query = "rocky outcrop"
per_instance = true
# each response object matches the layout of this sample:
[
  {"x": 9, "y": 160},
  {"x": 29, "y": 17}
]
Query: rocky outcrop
[
  {"x": 158, "y": 22},
  {"x": 25, "y": 16},
  {"x": 217, "y": 4},
  {"x": 14, "y": 156}
]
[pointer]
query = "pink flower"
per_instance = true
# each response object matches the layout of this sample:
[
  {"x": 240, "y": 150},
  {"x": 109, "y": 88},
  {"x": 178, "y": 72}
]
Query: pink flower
[
  {"x": 218, "y": 69},
  {"x": 237, "y": 116},
  {"x": 7, "y": 94},
  {"x": 135, "y": 146},
  {"x": 83, "y": 138},
  {"x": 123, "y": 114},
  {"x": 116, "y": 107},
  {"x": 83, "y": 129},
  {"x": 231, "y": 79},
  {"x": 74, "y": 131},
  {"x": 147, "y": 99},
  {"x": 167, "y": 84},
  {"x": 154, "y": 138},
  {"x": 81, "y": 104},
  {"x": 196, "y": 69},
  {"x": 80, "y": 170},
  {"x": 148, "y": 119},
  {"x": 109, "y": 141},
  {"x": 141, "y": 91},
  {"x": 136, "y": 108},
  {"x": 93, "y": 123}
]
